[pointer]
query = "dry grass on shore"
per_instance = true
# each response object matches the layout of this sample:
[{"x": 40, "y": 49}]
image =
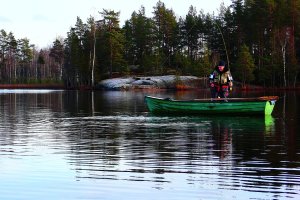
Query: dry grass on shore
[{"x": 32, "y": 86}]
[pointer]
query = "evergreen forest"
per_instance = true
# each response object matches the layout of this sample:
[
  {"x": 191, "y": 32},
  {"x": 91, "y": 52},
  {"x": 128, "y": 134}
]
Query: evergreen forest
[{"x": 259, "y": 40}]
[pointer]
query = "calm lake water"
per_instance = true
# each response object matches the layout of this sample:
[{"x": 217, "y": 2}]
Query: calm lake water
[{"x": 106, "y": 145}]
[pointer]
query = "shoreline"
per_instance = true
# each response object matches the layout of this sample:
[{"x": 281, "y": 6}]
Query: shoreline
[
  {"x": 32, "y": 86},
  {"x": 153, "y": 83}
]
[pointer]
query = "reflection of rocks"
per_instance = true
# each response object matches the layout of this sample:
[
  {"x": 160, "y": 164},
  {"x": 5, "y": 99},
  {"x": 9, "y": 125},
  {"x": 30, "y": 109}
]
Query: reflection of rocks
[{"x": 153, "y": 82}]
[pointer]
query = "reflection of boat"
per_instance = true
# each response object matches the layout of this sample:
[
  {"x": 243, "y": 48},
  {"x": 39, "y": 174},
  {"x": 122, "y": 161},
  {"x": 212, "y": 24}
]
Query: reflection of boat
[{"x": 246, "y": 106}]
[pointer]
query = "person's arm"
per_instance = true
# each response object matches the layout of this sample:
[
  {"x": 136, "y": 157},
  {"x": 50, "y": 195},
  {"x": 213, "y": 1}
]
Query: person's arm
[
  {"x": 211, "y": 79},
  {"x": 230, "y": 81}
]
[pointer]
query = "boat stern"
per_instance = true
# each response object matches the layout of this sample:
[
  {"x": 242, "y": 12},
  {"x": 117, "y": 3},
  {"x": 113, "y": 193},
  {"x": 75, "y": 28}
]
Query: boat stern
[{"x": 269, "y": 107}]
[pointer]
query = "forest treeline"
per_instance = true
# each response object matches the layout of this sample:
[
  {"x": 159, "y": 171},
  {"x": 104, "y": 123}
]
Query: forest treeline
[{"x": 259, "y": 39}]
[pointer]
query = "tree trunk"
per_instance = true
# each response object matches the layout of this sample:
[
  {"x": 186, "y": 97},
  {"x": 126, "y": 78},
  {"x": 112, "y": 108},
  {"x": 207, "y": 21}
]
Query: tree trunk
[
  {"x": 93, "y": 64},
  {"x": 111, "y": 60},
  {"x": 295, "y": 80},
  {"x": 283, "y": 50}
]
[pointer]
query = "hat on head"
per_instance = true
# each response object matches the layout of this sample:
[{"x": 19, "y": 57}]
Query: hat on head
[{"x": 221, "y": 63}]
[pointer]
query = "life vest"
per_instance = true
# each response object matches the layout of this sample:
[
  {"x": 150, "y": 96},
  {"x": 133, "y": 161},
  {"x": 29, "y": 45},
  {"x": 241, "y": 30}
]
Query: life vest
[{"x": 220, "y": 79}]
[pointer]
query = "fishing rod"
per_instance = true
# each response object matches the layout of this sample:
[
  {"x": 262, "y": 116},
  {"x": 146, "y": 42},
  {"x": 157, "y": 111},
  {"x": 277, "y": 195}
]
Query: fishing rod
[
  {"x": 186, "y": 35},
  {"x": 224, "y": 43},
  {"x": 223, "y": 40}
]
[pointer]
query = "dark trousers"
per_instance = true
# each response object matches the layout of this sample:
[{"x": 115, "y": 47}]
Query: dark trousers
[{"x": 218, "y": 91}]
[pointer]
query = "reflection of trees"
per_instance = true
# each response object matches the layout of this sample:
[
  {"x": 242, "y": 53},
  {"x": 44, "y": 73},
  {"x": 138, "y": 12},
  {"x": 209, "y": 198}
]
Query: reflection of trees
[
  {"x": 92, "y": 144},
  {"x": 242, "y": 147},
  {"x": 114, "y": 138},
  {"x": 222, "y": 136},
  {"x": 20, "y": 108},
  {"x": 24, "y": 117}
]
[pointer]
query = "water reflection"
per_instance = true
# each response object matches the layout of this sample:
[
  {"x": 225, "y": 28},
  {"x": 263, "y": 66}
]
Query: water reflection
[{"x": 116, "y": 145}]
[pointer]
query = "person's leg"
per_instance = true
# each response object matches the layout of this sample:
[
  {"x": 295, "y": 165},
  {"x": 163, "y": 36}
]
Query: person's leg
[
  {"x": 224, "y": 92},
  {"x": 221, "y": 94},
  {"x": 213, "y": 92}
]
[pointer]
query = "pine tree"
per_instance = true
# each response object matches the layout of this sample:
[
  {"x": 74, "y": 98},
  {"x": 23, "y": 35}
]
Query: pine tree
[
  {"x": 57, "y": 53},
  {"x": 113, "y": 41},
  {"x": 244, "y": 66},
  {"x": 139, "y": 39},
  {"x": 166, "y": 34}
]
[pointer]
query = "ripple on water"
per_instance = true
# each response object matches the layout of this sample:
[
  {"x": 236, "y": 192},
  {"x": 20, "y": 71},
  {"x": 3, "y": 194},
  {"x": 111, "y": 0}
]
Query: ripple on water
[{"x": 141, "y": 157}]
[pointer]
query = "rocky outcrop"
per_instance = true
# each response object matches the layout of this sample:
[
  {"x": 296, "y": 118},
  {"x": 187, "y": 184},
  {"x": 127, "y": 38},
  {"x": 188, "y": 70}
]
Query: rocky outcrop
[{"x": 152, "y": 82}]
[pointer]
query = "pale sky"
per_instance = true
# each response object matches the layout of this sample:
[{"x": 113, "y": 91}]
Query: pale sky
[{"x": 41, "y": 21}]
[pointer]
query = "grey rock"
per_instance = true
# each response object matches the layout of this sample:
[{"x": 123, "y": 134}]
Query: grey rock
[{"x": 149, "y": 82}]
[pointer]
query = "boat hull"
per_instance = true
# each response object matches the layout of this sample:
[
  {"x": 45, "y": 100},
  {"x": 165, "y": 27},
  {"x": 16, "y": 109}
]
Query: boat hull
[{"x": 241, "y": 106}]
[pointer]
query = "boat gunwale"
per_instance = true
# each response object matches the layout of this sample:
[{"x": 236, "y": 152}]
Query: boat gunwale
[{"x": 218, "y": 100}]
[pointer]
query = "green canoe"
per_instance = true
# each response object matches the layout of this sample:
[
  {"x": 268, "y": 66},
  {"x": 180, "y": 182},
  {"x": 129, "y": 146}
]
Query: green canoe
[{"x": 237, "y": 106}]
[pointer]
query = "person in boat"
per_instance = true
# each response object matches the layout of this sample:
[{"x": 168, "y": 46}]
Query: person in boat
[{"x": 220, "y": 81}]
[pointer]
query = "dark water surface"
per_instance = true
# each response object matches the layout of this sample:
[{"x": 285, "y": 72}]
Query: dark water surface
[{"x": 105, "y": 145}]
